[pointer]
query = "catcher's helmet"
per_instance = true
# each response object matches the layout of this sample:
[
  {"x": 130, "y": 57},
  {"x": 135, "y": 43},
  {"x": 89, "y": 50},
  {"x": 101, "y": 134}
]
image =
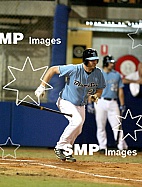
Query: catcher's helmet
[
  {"x": 107, "y": 59},
  {"x": 90, "y": 54}
]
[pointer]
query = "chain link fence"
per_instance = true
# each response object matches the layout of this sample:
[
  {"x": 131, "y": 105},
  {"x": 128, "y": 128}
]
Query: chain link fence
[{"x": 36, "y": 45}]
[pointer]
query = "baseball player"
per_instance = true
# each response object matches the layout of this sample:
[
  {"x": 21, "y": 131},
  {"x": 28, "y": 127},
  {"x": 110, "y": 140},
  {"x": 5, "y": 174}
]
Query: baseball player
[
  {"x": 83, "y": 80},
  {"x": 135, "y": 81},
  {"x": 107, "y": 106}
]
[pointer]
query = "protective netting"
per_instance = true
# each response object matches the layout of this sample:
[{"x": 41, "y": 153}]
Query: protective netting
[{"x": 36, "y": 45}]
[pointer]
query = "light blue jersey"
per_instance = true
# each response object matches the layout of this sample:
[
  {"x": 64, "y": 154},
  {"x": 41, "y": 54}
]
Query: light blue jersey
[
  {"x": 80, "y": 84},
  {"x": 113, "y": 83}
]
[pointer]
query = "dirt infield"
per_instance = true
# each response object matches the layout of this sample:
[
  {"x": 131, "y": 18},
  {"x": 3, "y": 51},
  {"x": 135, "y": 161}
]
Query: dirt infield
[{"x": 129, "y": 174}]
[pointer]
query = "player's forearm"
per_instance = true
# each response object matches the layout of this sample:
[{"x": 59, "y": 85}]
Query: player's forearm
[
  {"x": 99, "y": 92},
  {"x": 128, "y": 81},
  {"x": 121, "y": 96},
  {"x": 51, "y": 71}
]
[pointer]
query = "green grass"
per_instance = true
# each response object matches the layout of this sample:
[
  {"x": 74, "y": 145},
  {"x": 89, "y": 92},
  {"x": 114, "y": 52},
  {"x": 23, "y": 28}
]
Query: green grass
[
  {"x": 49, "y": 154},
  {"x": 50, "y": 181},
  {"x": 27, "y": 181},
  {"x": 103, "y": 158}
]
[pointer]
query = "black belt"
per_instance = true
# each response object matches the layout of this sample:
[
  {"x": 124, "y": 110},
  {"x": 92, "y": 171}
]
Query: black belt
[{"x": 109, "y": 99}]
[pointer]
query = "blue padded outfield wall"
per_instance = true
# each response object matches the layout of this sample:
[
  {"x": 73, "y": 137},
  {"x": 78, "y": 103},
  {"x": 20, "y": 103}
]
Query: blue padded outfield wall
[
  {"x": 32, "y": 127},
  {"x": 5, "y": 121}
]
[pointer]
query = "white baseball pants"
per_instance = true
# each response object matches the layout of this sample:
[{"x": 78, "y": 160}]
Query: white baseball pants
[
  {"x": 75, "y": 125},
  {"x": 108, "y": 110}
]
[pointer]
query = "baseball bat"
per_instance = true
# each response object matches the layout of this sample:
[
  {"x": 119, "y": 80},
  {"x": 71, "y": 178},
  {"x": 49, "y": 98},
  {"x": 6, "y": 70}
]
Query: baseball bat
[{"x": 42, "y": 108}]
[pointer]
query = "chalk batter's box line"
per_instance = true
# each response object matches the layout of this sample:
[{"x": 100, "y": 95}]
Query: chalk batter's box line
[{"x": 36, "y": 162}]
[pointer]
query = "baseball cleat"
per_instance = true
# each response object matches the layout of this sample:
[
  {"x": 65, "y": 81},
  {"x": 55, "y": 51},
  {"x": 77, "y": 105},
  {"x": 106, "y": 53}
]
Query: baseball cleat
[
  {"x": 59, "y": 153},
  {"x": 102, "y": 151},
  {"x": 70, "y": 158}
]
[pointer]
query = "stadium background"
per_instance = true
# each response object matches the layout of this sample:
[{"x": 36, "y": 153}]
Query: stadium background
[{"x": 66, "y": 20}]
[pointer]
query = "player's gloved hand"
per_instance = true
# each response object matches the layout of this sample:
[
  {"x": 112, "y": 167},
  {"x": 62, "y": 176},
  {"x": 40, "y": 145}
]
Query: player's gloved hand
[
  {"x": 94, "y": 98},
  {"x": 90, "y": 108},
  {"x": 122, "y": 109},
  {"x": 40, "y": 91}
]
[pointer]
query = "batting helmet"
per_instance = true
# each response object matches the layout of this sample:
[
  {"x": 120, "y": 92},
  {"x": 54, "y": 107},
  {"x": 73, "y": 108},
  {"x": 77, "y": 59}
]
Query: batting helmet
[
  {"x": 90, "y": 54},
  {"x": 107, "y": 59}
]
